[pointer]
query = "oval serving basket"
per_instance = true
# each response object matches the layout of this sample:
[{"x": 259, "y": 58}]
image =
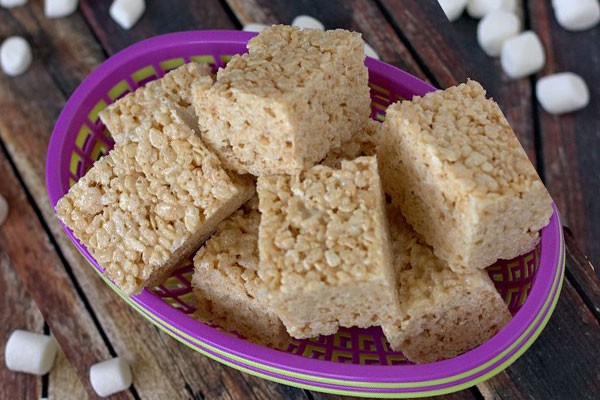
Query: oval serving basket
[{"x": 354, "y": 361}]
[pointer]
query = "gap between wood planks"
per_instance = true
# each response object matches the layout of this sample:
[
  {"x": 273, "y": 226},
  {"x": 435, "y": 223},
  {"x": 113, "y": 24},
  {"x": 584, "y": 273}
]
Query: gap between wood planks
[
  {"x": 205, "y": 374},
  {"x": 22, "y": 188},
  {"x": 62, "y": 88},
  {"x": 537, "y": 129},
  {"x": 52, "y": 240},
  {"x": 417, "y": 57},
  {"x": 238, "y": 24}
]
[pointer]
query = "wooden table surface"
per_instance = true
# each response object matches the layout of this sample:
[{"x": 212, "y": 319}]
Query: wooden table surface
[{"x": 41, "y": 269}]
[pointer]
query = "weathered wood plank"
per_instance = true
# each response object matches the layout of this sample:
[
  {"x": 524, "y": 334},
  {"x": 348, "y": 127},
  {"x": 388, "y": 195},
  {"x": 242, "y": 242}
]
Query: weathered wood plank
[
  {"x": 452, "y": 55},
  {"x": 462, "y": 395},
  {"x": 67, "y": 65},
  {"x": 17, "y": 311},
  {"x": 432, "y": 38},
  {"x": 501, "y": 387},
  {"x": 161, "y": 366},
  {"x": 28, "y": 164},
  {"x": 63, "y": 382},
  {"x": 562, "y": 363},
  {"x": 160, "y": 17},
  {"x": 358, "y": 15},
  {"x": 582, "y": 274},
  {"x": 571, "y": 142},
  {"x": 42, "y": 273}
]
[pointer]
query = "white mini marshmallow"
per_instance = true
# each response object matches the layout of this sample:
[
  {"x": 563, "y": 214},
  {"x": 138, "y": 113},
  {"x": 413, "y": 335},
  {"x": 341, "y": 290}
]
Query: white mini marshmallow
[
  {"x": 495, "y": 28},
  {"x": 522, "y": 55},
  {"x": 480, "y": 8},
  {"x": 12, "y": 3},
  {"x": 453, "y": 8},
  {"x": 3, "y": 209},
  {"x": 254, "y": 27},
  {"x": 127, "y": 13},
  {"x": 370, "y": 52},
  {"x": 308, "y": 22},
  {"x": 562, "y": 93},
  {"x": 110, "y": 376},
  {"x": 30, "y": 352},
  {"x": 511, "y": 6},
  {"x": 576, "y": 15},
  {"x": 15, "y": 56},
  {"x": 59, "y": 8}
]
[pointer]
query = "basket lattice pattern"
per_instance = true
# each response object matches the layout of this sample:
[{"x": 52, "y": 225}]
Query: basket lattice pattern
[{"x": 513, "y": 278}]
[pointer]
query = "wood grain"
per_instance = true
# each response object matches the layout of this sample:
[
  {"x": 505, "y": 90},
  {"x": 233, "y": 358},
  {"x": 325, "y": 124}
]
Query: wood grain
[
  {"x": 161, "y": 367},
  {"x": 582, "y": 274},
  {"x": 17, "y": 311},
  {"x": 160, "y": 17},
  {"x": 562, "y": 363},
  {"x": 43, "y": 275},
  {"x": 462, "y": 395},
  {"x": 357, "y": 15},
  {"x": 501, "y": 387},
  {"x": 571, "y": 142},
  {"x": 63, "y": 383},
  {"x": 452, "y": 55},
  {"x": 66, "y": 65}
]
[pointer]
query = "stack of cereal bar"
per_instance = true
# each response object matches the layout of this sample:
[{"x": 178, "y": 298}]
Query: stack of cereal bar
[{"x": 351, "y": 223}]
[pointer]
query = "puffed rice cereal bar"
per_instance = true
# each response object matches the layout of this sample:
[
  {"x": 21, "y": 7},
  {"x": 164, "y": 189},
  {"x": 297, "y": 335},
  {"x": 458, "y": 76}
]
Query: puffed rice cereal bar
[
  {"x": 124, "y": 115},
  {"x": 362, "y": 143},
  {"x": 454, "y": 166},
  {"x": 279, "y": 108},
  {"x": 442, "y": 313},
  {"x": 324, "y": 248},
  {"x": 228, "y": 291},
  {"x": 151, "y": 201}
]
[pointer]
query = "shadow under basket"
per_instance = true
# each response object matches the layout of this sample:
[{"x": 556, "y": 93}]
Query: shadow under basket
[{"x": 354, "y": 361}]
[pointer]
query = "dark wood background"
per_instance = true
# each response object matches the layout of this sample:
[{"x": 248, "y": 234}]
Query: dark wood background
[{"x": 40, "y": 269}]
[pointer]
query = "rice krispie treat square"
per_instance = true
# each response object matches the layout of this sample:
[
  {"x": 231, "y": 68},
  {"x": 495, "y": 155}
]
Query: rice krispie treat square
[
  {"x": 456, "y": 169},
  {"x": 228, "y": 291},
  {"x": 442, "y": 313},
  {"x": 279, "y": 108},
  {"x": 151, "y": 201},
  {"x": 324, "y": 248},
  {"x": 362, "y": 143},
  {"x": 124, "y": 115}
]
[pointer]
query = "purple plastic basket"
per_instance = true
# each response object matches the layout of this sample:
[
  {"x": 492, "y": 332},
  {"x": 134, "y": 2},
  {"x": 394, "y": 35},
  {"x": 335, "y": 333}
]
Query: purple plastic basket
[{"x": 354, "y": 361}]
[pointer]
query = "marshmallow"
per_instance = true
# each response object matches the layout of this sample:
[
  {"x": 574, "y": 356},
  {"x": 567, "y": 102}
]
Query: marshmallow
[
  {"x": 127, "y": 12},
  {"x": 12, "y": 3},
  {"x": 30, "y": 352},
  {"x": 512, "y": 6},
  {"x": 15, "y": 56},
  {"x": 59, "y": 8},
  {"x": 3, "y": 209},
  {"x": 307, "y": 22},
  {"x": 494, "y": 29},
  {"x": 110, "y": 376},
  {"x": 576, "y": 15},
  {"x": 522, "y": 55},
  {"x": 370, "y": 52},
  {"x": 479, "y": 8},
  {"x": 562, "y": 93},
  {"x": 453, "y": 8},
  {"x": 254, "y": 27}
]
